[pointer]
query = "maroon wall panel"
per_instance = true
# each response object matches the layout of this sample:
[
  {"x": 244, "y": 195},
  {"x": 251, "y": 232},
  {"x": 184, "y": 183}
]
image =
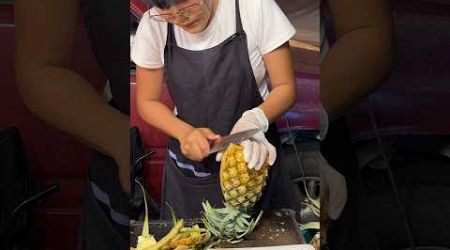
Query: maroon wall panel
[{"x": 415, "y": 99}]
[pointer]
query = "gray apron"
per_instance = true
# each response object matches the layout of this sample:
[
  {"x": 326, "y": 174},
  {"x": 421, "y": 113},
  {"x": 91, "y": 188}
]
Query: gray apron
[
  {"x": 105, "y": 212},
  {"x": 212, "y": 88}
]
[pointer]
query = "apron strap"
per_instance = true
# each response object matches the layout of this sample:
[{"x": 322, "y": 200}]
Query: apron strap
[
  {"x": 171, "y": 35},
  {"x": 239, "y": 28}
]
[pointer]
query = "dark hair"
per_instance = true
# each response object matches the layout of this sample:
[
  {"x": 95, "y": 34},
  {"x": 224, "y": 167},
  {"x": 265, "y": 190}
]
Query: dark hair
[{"x": 163, "y": 4}]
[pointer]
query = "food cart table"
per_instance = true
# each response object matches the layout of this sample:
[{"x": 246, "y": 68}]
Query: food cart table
[{"x": 276, "y": 230}]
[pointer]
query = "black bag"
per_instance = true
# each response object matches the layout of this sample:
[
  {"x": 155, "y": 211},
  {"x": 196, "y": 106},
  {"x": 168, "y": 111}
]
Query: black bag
[
  {"x": 14, "y": 188},
  {"x": 16, "y": 199}
]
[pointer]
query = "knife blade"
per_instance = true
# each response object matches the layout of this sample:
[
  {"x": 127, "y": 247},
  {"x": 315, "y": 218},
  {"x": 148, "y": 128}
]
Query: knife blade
[{"x": 236, "y": 138}]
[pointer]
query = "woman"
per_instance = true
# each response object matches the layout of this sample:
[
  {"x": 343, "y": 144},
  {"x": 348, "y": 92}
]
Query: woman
[
  {"x": 57, "y": 93},
  {"x": 215, "y": 56}
]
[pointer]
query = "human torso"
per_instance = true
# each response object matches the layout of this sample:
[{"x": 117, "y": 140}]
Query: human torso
[{"x": 222, "y": 26}]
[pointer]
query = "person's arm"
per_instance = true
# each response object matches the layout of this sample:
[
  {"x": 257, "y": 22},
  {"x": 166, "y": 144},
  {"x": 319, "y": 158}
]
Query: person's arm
[
  {"x": 281, "y": 73},
  {"x": 279, "y": 67},
  {"x": 362, "y": 56},
  {"x": 148, "y": 93},
  {"x": 52, "y": 90},
  {"x": 194, "y": 141}
]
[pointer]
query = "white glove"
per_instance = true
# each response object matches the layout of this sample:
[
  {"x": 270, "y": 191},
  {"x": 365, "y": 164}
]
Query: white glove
[
  {"x": 333, "y": 188},
  {"x": 257, "y": 149},
  {"x": 323, "y": 123}
]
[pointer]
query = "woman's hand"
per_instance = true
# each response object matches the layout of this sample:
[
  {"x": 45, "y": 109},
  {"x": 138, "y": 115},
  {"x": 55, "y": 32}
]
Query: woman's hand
[
  {"x": 195, "y": 144},
  {"x": 257, "y": 150}
]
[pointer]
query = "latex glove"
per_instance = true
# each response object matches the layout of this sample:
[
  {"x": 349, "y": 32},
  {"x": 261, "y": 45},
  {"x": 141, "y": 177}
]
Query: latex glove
[
  {"x": 323, "y": 123},
  {"x": 257, "y": 150},
  {"x": 333, "y": 188}
]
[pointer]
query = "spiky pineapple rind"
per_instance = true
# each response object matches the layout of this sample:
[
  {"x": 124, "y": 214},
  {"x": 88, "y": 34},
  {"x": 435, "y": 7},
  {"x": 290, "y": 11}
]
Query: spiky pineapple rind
[{"x": 241, "y": 187}]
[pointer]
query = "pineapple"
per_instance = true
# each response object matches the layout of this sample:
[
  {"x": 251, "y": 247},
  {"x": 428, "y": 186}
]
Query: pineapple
[{"x": 241, "y": 187}]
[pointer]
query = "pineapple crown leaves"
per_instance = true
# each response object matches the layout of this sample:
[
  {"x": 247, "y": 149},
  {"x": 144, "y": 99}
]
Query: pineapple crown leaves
[
  {"x": 310, "y": 225},
  {"x": 172, "y": 214},
  {"x": 145, "y": 238},
  {"x": 228, "y": 224},
  {"x": 313, "y": 204},
  {"x": 148, "y": 242}
]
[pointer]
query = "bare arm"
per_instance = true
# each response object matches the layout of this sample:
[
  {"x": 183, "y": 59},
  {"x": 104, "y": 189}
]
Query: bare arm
[
  {"x": 195, "y": 142},
  {"x": 281, "y": 72},
  {"x": 151, "y": 109},
  {"x": 362, "y": 56},
  {"x": 52, "y": 90}
]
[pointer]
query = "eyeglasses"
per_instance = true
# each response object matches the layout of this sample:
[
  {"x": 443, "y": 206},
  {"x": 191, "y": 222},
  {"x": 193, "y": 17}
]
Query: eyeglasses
[{"x": 184, "y": 13}]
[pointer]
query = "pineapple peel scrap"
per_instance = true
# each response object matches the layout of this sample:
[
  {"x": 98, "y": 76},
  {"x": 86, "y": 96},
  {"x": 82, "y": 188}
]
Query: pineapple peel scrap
[
  {"x": 145, "y": 240},
  {"x": 179, "y": 237}
]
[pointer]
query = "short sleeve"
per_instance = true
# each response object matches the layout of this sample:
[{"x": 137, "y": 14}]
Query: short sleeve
[
  {"x": 148, "y": 43},
  {"x": 273, "y": 27}
]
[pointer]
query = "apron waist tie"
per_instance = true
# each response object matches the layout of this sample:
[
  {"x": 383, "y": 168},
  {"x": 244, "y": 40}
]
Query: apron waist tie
[
  {"x": 188, "y": 167},
  {"x": 103, "y": 197}
]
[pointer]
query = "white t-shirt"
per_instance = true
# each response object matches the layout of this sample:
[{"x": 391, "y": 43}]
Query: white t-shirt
[{"x": 265, "y": 24}]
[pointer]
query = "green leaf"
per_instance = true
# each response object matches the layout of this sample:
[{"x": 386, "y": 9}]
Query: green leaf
[
  {"x": 172, "y": 214},
  {"x": 310, "y": 225}
]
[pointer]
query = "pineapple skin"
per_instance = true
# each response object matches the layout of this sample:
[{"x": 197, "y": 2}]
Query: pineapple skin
[{"x": 241, "y": 187}]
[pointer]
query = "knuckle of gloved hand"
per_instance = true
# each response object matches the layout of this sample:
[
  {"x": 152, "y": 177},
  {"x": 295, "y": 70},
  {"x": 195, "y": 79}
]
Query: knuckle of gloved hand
[
  {"x": 254, "y": 161},
  {"x": 259, "y": 165},
  {"x": 247, "y": 150},
  {"x": 245, "y": 144},
  {"x": 263, "y": 158},
  {"x": 250, "y": 163}
]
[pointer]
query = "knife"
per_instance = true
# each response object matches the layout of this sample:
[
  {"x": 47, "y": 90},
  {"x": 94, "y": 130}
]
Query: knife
[{"x": 236, "y": 138}]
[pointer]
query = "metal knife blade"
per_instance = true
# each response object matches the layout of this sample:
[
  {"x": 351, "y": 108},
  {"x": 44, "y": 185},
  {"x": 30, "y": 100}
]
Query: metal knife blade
[{"x": 233, "y": 138}]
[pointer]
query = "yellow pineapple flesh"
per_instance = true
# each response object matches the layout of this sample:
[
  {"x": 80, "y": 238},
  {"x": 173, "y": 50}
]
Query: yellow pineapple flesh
[{"x": 241, "y": 186}]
